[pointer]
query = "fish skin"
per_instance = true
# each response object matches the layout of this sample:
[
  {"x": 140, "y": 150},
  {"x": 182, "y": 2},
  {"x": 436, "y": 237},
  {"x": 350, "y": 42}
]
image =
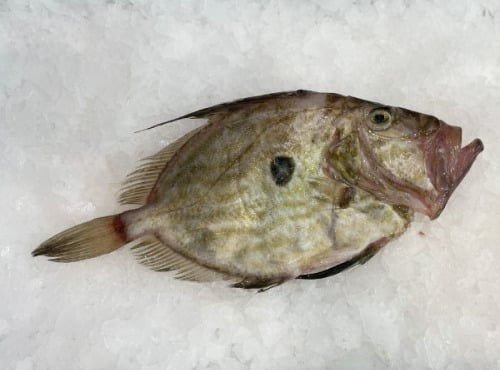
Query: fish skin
[{"x": 212, "y": 207}]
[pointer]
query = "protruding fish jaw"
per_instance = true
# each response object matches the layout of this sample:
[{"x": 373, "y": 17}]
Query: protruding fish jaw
[
  {"x": 447, "y": 164},
  {"x": 351, "y": 160}
]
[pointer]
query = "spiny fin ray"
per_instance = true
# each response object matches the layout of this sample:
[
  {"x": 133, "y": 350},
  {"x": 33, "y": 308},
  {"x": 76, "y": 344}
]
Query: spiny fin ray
[
  {"x": 152, "y": 253},
  {"x": 235, "y": 105}
]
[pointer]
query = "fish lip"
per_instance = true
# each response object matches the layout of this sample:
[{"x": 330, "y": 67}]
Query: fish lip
[{"x": 447, "y": 164}]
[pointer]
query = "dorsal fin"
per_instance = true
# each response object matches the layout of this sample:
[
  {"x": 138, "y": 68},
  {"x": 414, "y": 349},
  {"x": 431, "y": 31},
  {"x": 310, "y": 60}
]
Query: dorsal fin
[
  {"x": 139, "y": 183},
  {"x": 239, "y": 104},
  {"x": 154, "y": 254}
]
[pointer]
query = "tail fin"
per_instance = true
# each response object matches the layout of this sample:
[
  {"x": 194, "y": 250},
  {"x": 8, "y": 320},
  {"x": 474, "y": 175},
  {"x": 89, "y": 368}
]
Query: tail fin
[{"x": 90, "y": 239}]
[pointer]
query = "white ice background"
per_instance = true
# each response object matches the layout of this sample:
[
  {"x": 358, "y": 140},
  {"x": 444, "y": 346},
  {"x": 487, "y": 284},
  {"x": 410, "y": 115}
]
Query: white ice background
[{"x": 77, "y": 78}]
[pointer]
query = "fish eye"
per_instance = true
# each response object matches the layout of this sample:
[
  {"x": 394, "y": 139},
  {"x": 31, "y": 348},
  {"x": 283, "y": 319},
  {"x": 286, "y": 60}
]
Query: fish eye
[{"x": 380, "y": 119}]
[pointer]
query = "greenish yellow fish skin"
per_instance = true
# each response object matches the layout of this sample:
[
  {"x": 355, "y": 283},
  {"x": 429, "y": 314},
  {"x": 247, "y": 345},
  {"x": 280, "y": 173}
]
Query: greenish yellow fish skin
[{"x": 282, "y": 186}]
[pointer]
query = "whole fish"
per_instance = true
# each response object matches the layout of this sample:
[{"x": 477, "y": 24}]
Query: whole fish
[{"x": 281, "y": 186}]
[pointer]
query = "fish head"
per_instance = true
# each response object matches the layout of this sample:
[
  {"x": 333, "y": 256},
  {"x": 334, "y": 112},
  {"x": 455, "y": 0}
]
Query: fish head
[{"x": 400, "y": 156}]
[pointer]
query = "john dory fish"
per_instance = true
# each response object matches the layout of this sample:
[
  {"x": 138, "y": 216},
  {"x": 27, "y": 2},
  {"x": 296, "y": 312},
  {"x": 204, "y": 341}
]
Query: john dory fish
[{"x": 277, "y": 187}]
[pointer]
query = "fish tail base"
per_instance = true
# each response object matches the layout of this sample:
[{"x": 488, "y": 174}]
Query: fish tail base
[{"x": 87, "y": 240}]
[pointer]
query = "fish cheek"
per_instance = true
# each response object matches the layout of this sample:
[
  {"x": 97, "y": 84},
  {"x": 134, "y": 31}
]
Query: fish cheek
[{"x": 402, "y": 158}]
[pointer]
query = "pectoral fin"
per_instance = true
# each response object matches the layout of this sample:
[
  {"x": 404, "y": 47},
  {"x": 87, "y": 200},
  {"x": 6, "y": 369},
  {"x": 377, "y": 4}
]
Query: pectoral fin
[{"x": 327, "y": 189}]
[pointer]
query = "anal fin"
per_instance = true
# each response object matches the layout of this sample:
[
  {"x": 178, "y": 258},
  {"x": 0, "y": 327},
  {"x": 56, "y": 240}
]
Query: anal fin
[
  {"x": 152, "y": 253},
  {"x": 158, "y": 256}
]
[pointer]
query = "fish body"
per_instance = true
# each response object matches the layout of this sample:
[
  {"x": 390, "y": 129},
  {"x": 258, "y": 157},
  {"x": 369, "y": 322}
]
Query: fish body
[{"x": 281, "y": 186}]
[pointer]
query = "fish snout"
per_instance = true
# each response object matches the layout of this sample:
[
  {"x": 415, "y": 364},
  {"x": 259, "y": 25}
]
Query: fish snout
[{"x": 447, "y": 164}]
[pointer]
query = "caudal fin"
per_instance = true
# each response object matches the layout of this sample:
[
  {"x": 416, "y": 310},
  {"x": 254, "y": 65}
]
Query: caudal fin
[{"x": 90, "y": 239}]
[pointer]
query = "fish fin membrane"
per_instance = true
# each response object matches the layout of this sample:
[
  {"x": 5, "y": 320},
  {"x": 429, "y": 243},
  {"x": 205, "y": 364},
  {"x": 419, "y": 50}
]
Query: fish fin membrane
[
  {"x": 90, "y": 239},
  {"x": 261, "y": 285},
  {"x": 236, "y": 105},
  {"x": 152, "y": 253},
  {"x": 139, "y": 183},
  {"x": 330, "y": 190}
]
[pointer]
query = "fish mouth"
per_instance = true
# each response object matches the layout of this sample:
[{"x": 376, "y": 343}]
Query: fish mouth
[{"x": 447, "y": 163}]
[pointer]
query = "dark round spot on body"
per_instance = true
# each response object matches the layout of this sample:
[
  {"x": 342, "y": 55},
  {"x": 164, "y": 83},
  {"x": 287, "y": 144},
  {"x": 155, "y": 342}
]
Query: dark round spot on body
[{"x": 282, "y": 170}]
